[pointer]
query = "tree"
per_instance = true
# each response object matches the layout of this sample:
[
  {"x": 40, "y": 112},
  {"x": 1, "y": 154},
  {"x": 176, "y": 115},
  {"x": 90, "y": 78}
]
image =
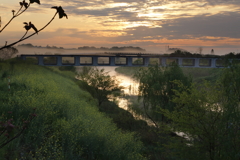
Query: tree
[
  {"x": 200, "y": 49},
  {"x": 212, "y": 51},
  {"x": 7, "y": 53},
  {"x": 156, "y": 88},
  {"x": 23, "y": 7},
  {"x": 209, "y": 116},
  {"x": 102, "y": 85},
  {"x": 209, "y": 121}
]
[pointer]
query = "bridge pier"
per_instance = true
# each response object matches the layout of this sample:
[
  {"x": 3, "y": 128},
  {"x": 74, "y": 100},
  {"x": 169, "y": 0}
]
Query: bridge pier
[
  {"x": 180, "y": 62},
  {"x": 129, "y": 61},
  {"x": 196, "y": 62},
  {"x": 77, "y": 60},
  {"x": 146, "y": 61},
  {"x": 112, "y": 61},
  {"x": 40, "y": 61},
  {"x": 213, "y": 62},
  {"x": 95, "y": 61},
  {"x": 59, "y": 60},
  {"x": 164, "y": 62}
]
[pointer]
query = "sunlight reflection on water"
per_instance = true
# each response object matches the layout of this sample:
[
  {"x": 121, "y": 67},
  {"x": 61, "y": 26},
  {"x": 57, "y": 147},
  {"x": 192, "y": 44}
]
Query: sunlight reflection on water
[{"x": 130, "y": 89}]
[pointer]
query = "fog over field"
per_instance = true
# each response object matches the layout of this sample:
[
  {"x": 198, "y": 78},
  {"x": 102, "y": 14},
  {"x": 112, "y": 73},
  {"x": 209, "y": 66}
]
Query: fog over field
[{"x": 52, "y": 51}]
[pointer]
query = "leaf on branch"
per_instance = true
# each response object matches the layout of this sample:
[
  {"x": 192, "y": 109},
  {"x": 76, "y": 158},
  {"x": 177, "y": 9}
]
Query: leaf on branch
[
  {"x": 33, "y": 27},
  {"x": 29, "y": 25},
  {"x": 37, "y": 1},
  {"x": 60, "y": 11},
  {"x": 23, "y": 3}
]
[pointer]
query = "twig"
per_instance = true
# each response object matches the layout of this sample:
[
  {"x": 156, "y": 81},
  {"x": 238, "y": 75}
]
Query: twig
[
  {"x": 24, "y": 34},
  {"x": 18, "y": 14},
  {"x": 29, "y": 35},
  {"x": 14, "y": 16}
]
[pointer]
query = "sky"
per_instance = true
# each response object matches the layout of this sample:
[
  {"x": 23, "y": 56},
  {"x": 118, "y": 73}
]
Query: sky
[{"x": 149, "y": 24}]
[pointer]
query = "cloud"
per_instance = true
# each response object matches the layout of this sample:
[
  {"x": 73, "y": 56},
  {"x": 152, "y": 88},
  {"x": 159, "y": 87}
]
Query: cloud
[
  {"x": 225, "y": 24},
  {"x": 141, "y": 22}
]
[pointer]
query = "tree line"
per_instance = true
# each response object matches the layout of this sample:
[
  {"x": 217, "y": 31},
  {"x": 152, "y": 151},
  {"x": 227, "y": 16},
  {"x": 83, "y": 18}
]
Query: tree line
[
  {"x": 179, "y": 53},
  {"x": 114, "y": 48}
]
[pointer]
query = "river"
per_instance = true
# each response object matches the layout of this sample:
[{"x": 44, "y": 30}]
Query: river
[
  {"x": 130, "y": 86},
  {"x": 130, "y": 89}
]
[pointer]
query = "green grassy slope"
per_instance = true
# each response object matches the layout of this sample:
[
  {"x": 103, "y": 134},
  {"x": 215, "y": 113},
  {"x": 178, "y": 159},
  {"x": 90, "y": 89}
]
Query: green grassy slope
[{"x": 68, "y": 124}]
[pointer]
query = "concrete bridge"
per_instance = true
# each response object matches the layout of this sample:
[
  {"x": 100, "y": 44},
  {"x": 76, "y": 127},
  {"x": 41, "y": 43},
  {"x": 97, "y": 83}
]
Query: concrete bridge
[{"x": 122, "y": 59}]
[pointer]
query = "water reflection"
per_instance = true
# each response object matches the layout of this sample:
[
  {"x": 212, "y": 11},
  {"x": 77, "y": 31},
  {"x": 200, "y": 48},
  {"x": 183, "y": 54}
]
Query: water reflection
[
  {"x": 130, "y": 89},
  {"x": 130, "y": 86}
]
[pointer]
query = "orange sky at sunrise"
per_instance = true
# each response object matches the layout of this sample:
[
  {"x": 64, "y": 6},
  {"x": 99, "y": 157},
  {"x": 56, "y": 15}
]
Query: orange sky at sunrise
[{"x": 149, "y": 24}]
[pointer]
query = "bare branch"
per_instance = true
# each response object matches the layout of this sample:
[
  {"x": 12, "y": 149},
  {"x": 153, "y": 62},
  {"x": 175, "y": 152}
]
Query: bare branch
[
  {"x": 22, "y": 39},
  {"x": 14, "y": 16}
]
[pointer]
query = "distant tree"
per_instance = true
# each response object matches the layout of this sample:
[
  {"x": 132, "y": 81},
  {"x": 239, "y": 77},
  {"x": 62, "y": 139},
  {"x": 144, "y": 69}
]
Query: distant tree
[
  {"x": 200, "y": 49},
  {"x": 26, "y": 45},
  {"x": 114, "y": 48},
  {"x": 102, "y": 85},
  {"x": 156, "y": 88},
  {"x": 212, "y": 51}
]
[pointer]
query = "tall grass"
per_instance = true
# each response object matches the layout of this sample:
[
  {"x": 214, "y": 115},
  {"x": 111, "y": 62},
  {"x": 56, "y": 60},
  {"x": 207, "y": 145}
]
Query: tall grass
[{"x": 68, "y": 124}]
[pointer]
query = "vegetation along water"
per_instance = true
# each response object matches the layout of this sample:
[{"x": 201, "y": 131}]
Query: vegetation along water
[{"x": 46, "y": 113}]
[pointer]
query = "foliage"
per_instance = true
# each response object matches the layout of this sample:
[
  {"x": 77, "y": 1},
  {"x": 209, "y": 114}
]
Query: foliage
[
  {"x": 68, "y": 125},
  {"x": 102, "y": 85},
  {"x": 209, "y": 123},
  {"x": 156, "y": 87},
  {"x": 199, "y": 75},
  {"x": 231, "y": 80},
  {"x": 209, "y": 117}
]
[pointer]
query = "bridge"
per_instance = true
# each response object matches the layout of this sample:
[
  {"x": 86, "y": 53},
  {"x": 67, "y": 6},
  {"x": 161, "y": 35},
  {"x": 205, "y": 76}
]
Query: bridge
[{"x": 122, "y": 59}]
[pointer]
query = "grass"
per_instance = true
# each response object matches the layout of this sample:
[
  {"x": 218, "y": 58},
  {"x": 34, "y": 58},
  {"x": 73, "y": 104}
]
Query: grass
[{"x": 68, "y": 124}]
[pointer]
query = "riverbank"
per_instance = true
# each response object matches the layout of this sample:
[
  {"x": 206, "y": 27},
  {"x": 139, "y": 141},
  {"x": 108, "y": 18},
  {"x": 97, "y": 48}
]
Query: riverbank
[
  {"x": 67, "y": 123},
  {"x": 128, "y": 121}
]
